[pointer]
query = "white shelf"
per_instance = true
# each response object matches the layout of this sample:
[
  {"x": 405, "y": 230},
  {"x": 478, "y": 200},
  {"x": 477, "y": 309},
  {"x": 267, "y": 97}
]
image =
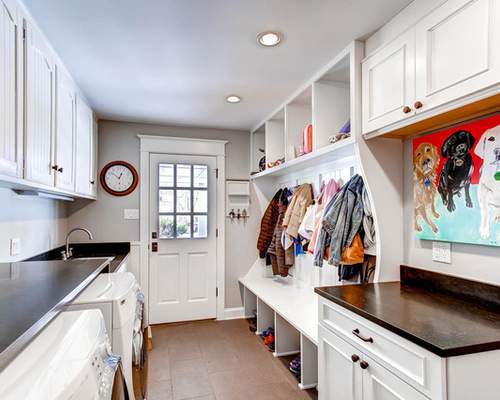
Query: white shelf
[{"x": 332, "y": 152}]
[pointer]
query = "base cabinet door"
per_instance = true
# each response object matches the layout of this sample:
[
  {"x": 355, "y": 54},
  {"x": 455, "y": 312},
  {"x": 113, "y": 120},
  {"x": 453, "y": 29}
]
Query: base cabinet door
[
  {"x": 381, "y": 384},
  {"x": 457, "y": 51},
  {"x": 10, "y": 95},
  {"x": 388, "y": 82},
  {"x": 339, "y": 374}
]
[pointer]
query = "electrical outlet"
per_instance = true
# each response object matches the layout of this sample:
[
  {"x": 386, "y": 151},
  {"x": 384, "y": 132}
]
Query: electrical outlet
[
  {"x": 15, "y": 246},
  {"x": 132, "y": 213},
  {"x": 441, "y": 252}
]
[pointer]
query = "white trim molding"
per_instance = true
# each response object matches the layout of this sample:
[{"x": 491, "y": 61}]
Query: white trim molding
[
  {"x": 189, "y": 146},
  {"x": 234, "y": 313}
]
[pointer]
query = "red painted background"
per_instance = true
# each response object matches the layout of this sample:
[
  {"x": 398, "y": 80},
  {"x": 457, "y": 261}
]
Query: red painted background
[{"x": 476, "y": 127}]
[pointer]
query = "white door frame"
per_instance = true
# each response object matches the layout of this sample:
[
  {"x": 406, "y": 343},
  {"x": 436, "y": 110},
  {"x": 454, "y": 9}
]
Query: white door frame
[{"x": 187, "y": 146}]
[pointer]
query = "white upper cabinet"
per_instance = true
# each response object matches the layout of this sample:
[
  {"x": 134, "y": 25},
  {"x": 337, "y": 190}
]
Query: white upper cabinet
[
  {"x": 449, "y": 57},
  {"x": 39, "y": 112},
  {"x": 93, "y": 159},
  {"x": 389, "y": 83},
  {"x": 10, "y": 81},
  {"x": 84, "y": 133},
  {"x": 65, "y": 132},
  {"x": 457, "y": 51}
]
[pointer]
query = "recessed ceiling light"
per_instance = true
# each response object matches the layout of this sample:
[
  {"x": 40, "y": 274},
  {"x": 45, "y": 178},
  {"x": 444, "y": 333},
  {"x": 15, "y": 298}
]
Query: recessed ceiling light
[
  {"x": 269, "y": 38},
  {"x": 233, "y": 99}
]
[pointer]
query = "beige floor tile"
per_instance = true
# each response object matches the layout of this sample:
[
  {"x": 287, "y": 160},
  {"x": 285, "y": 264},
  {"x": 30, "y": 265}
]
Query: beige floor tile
[
  {"x": 189, "y": 385},
  {"x": 160, "y": 390}
]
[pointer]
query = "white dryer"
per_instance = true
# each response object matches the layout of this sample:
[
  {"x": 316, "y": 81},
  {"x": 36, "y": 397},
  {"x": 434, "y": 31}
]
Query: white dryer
[
  {"x": 70, "y": 359},
  {"x": 118, "y": 297}
]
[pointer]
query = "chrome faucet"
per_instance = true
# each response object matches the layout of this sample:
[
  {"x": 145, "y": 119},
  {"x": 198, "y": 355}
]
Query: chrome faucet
[{"x": 68, "y": 252}]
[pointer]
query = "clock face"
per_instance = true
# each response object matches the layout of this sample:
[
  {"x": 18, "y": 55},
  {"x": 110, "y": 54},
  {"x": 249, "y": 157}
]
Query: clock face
[{"x": 119, "y": 178}]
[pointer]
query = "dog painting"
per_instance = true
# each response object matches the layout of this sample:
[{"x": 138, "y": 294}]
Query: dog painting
[
  {"x": 456, "y": 183},
  {"x": 457, "y": 171},
  {"x": 425, "y": 165}
]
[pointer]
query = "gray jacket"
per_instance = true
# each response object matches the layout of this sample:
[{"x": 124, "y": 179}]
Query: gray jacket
[{"x": 342, "y": 219}]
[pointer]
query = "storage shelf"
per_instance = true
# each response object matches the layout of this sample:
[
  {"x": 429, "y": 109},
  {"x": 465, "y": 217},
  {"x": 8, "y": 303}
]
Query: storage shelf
[{"x": 332, "y": 152}]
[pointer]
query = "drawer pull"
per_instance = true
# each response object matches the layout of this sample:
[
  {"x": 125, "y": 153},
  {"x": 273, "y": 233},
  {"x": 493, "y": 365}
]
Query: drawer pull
[
  {"x": 406, "y": 109},
  {"x": 418, "y": 105},
  {"x": 363, "y": 365},
  {"x": 356, "y": 333},
  {"x": 355, "y": 358}
]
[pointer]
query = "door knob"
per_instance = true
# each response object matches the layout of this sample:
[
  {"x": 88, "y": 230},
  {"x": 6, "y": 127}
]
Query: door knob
[
  {"x": 418, "y": 104},
  {"x": 363, "y": 365},
  {"x": 406, "y": 109},
  {"x": 355, "y": 358}
]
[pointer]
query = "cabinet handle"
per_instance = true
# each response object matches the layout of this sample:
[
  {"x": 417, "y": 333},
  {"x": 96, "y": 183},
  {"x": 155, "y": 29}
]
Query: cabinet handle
[
  {"x": 418, "y": 104},
  {"x": 92, "y": 182},
  {"x": 355, "y": 358},
  {"x": 364, "y": 365},
  {"x": 406, "y": 109},
  {"x": 356, "y": 333}
]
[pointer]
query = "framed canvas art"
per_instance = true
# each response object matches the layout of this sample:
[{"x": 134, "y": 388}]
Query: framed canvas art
[{"x": 456, "y": 183}]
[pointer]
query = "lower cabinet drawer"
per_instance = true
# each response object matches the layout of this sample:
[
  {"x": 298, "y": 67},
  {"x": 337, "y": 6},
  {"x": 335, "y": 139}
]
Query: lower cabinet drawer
[{"x": 422, "y": 369}]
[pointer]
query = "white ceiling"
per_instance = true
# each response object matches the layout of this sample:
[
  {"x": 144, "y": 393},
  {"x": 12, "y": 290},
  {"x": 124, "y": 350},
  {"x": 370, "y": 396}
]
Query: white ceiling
[{"x": 174, "y": 61}]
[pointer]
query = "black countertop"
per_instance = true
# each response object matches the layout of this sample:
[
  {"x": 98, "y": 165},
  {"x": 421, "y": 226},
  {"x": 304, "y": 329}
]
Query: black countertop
[
  {"x": 429, "y": 314},
  {"x": 33, "y": 293}
]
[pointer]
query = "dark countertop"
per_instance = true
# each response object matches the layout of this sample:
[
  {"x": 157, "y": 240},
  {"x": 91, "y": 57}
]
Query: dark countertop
[
  {"x": 436, "y": 319},
  {"x": 33, "y": 293},
  {"x": 118, "y": 250}
]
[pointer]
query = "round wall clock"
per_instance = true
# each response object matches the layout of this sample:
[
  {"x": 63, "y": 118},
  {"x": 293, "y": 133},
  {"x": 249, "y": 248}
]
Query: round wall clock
[{"x": 119, "y": 178}]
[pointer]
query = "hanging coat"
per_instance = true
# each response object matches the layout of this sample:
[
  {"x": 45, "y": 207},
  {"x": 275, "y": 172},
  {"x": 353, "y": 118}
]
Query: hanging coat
[{"x": 267, "y": 224}]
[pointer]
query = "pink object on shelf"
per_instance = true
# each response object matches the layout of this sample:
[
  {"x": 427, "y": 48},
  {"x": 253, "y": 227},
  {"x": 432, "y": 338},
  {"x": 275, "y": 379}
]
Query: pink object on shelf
[{"x": 307, "y": 139}]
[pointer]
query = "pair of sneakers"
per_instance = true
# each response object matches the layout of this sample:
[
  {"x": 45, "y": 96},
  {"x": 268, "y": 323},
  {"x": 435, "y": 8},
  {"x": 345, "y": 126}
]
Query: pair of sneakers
[
  {"x": 295, "y": 365},
  {"x": 268, "y": 337}
]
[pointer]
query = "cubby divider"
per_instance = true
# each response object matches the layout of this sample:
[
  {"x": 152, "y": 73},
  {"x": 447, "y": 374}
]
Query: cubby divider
[
  {"x": 309, "y": 358},
  {"x": 286, "y": 337}
]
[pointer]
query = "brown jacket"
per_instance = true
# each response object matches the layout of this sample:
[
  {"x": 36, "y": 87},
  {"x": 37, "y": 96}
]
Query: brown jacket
[
  {"x": 281, "y": 259},
  {"x": 302, "y": 198},
  {"x": 267, "y": 225}
]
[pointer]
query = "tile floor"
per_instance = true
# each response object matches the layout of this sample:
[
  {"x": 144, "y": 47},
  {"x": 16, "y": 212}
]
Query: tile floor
[{"x": 210, "y": 360}]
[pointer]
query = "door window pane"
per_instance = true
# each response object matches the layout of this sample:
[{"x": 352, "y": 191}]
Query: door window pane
[
  {"x": 200, "y": 176},
  {"x": 183, "y": 201},
  {"x": 167, "y": 175},
  {"x": 166, "y": 227},
  {"x": 166, "y": 200},
  {"x": 183, "y": 175},
  {"x": 200, "y": 228},
  {"x": 200, "y": 201},
  {"x": 183, "y": 226}
]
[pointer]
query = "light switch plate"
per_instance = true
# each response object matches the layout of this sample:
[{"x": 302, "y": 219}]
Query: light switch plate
[
  {"x": 15, "y": 246},
  {"x": 131, "y": 213},
  {"x": 441, "y": 252}
]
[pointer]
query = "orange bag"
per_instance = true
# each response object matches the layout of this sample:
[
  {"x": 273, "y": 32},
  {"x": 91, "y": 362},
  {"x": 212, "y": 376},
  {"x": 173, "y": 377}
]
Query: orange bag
[{"x": 355, "y": 253}]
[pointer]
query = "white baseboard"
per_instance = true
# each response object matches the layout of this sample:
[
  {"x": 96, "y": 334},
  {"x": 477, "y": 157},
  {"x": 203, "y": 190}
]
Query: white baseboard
[{"x": 234, "y": 313}]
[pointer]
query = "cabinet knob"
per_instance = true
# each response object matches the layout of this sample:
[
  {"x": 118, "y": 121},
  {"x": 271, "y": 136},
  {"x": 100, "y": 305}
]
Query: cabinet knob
[
  {"x": 406, "y": 109},
  {"x": 355, "y": 358},
  {"x": 55, "y": 167},
  {"x": 418, "y": 104},
  {"x": 92, "y": 182},
  {"x": 60, "y": 169},
  {"x": 363, "y": 364}
]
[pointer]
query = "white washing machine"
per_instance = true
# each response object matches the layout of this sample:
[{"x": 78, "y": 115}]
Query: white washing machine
[
  {"x": 70, "y": 359},
  {"x": 118, "y": 297}
]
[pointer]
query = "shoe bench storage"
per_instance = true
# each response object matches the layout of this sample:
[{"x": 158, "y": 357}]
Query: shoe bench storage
[{"x": 293, "y": 314}]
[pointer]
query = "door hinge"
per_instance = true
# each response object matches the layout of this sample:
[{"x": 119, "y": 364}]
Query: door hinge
[
  {"x": 216, "y": 232},
  {"x": 216, "y": 173},
  {"x": 216, "y": 292},
  {"x": 24, "y": 33}
]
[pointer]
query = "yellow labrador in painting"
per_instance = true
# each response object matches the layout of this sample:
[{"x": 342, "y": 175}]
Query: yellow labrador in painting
[{"x": 425, "y": 165}]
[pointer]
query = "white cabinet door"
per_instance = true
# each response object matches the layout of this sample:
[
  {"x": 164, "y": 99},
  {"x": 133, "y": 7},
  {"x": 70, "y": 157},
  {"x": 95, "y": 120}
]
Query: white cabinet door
[
  {"x": 380, "y": 384},
  {"x": 40, "y": 102},
  {"x": 457, "y": 51},
  {"x": 65, "y": 132},
  {"x": 339, "y": 374},
  {"x": 388, "y": 82},
  {"x": 83, "y": 147},
  {"x": 10, "y": 93}
]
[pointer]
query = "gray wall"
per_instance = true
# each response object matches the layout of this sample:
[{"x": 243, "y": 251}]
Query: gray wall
[
  {"x": 41, "y": 224},
  {"x": 469, "y": 261},
  {"x": 104, "y": 217}
]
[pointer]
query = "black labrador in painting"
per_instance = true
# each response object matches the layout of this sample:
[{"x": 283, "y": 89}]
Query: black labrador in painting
[{"x": 457, "y": 171}]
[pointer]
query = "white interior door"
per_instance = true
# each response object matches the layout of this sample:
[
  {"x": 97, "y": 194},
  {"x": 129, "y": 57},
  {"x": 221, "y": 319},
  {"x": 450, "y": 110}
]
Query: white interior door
[{"x": 182, "y": 251}]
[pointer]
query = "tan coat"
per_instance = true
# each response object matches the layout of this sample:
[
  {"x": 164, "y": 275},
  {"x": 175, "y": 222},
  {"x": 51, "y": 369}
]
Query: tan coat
[{"x": 302, "y": 198}]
